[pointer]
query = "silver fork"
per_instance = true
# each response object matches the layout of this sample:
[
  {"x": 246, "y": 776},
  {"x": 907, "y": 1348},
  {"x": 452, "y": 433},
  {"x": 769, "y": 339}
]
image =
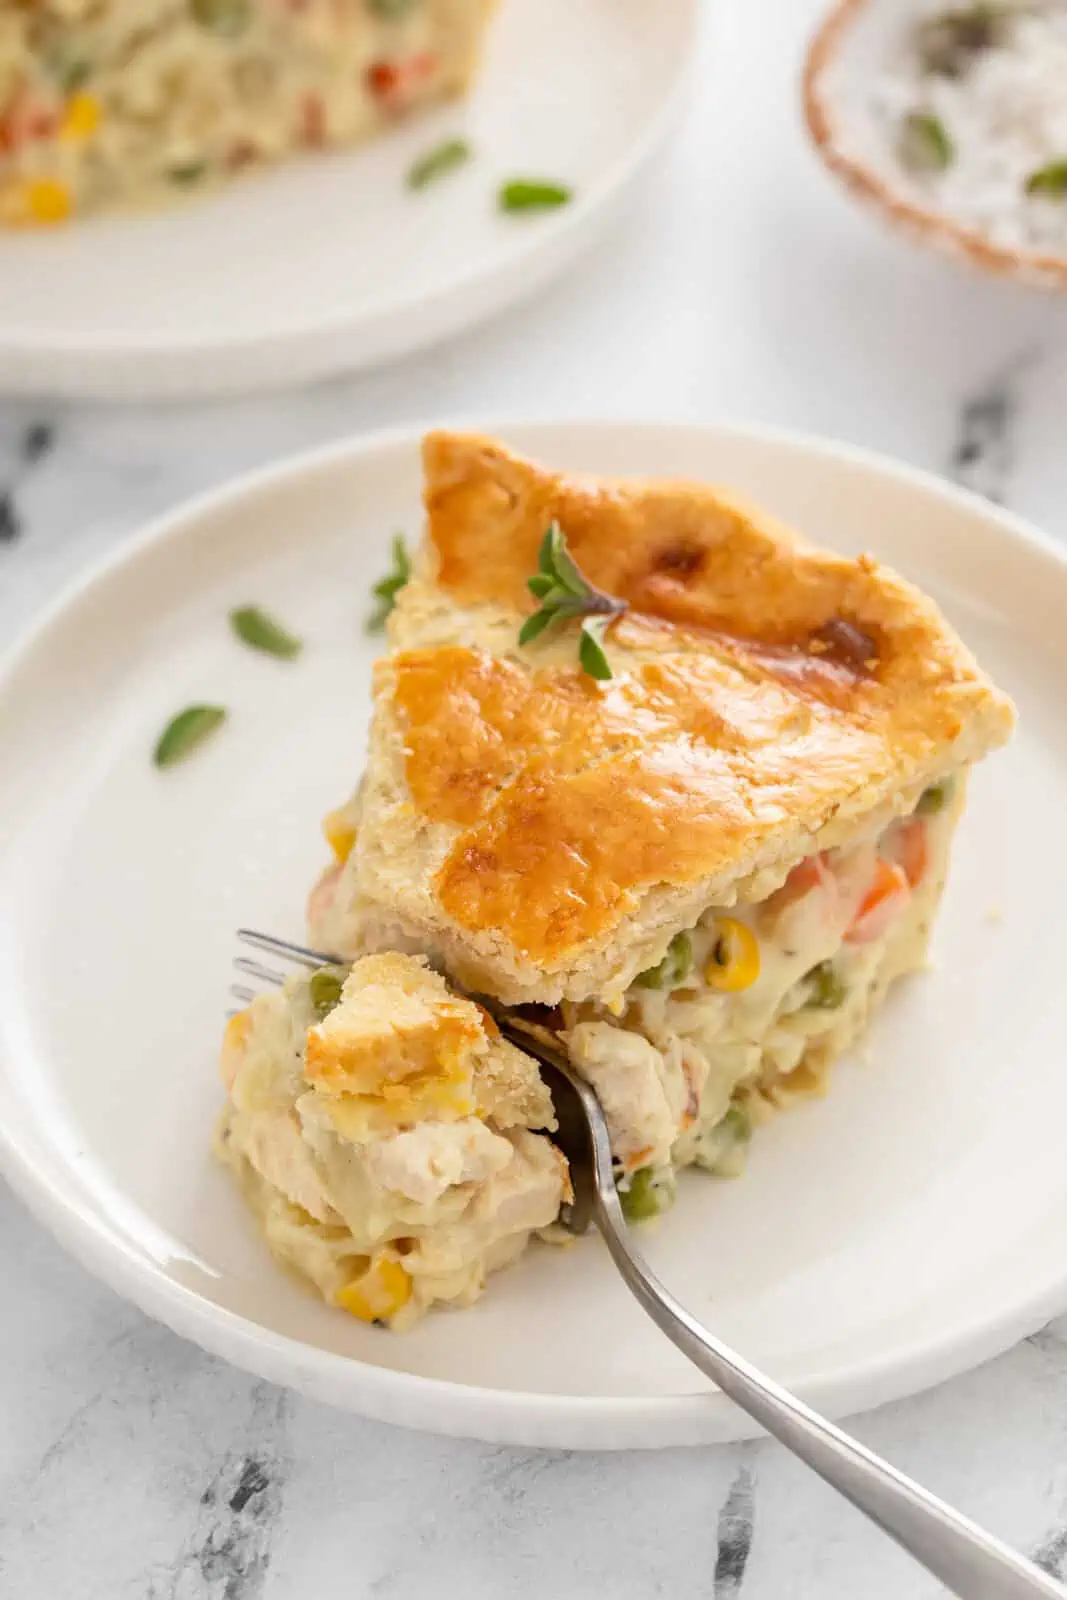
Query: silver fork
[{"x": 967, "y": 1560}]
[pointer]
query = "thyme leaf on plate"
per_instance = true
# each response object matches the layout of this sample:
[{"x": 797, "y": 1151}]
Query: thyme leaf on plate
[
  {"x": 186, "y": 732},
  {"x": 261, "y": 631},
  {"x": 533, "y": 194},
  {"x": 387, "y": 589},
  {"x": 439, "y": 162}
]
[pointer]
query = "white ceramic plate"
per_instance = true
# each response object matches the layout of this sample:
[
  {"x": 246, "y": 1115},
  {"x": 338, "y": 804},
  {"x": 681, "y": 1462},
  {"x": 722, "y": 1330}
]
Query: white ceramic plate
[
  {"x": 330, "y": 263},
  {"x": 906, "y": 1227}
]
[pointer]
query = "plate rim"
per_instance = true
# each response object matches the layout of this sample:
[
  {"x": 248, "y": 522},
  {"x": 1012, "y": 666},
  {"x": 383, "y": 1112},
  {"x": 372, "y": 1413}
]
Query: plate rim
[
  {"x": 513, "y": 1416},
  {"x": 294, "y": 353}
]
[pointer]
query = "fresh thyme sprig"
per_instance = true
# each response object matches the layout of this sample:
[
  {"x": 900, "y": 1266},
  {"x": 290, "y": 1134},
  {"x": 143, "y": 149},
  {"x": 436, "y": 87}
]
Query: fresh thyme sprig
[
  {"x": 565, "y": 594},
  {"x": 386, "y": 591}
]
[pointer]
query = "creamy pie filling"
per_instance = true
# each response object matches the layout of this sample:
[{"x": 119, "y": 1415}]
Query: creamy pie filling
[
  {"x": 393, "y": 1196},
  {"x": 391, "y": 1213},
  {"x": 746, "y": 1009}
]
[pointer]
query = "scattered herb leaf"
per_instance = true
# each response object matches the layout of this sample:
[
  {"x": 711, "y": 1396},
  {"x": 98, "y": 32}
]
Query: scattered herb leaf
[
  {"x": 186, "y": 732},
  {"x": 262, "y": 632},
  {"x": 1050, "y": 180},
  {"x": 387, "y": 589},
  {"x": 566, "y": 595},
  {"x": 924, "y": 144},
  {"x": 533, "y": 194},
  {"x": 438, "y": 163},
  {"x": 390, "y": 8}
]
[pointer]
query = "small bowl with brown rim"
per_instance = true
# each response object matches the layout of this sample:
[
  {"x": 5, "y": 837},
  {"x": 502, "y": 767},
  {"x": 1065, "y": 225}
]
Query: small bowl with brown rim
[{"x": 854, "y": 40}]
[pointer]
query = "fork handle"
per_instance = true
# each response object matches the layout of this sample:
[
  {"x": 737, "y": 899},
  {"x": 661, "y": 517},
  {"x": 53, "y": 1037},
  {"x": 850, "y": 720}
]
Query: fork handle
[{"x": 969, "y": 1562}]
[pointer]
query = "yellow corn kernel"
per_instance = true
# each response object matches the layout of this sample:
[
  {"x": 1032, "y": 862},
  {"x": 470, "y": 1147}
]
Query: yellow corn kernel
[
  {"x": 37, "y": 202},
  {"x": 378, "y": 1293},
  {"x": 734, "y": 963},
  {"x": 340, "y": 833},
  {"x": 237, "y": 1029},
  {"x": 234, "y": 1044},
  {"x": 80, "y": 119}
]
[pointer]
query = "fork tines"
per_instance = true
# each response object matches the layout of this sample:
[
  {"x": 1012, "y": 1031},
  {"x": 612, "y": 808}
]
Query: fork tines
[{"x": 283, "y": 950}]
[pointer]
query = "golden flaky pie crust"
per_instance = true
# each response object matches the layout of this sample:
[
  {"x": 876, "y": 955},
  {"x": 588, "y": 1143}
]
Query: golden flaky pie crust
[
  {"x": 547, "y": 834},
  {"x": 401, "y": 1036}
]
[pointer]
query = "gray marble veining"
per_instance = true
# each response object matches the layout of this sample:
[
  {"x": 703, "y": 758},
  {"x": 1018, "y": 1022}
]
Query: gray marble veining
[{"x": 134, "y": 1467}]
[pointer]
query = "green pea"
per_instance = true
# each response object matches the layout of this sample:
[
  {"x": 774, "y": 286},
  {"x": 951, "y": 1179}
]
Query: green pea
[
  {"x": 722, "y": 1148},
  {"x": 936, "y": 798},
  {"x": 673, "y": 969},
  {"x": 650, "y": 1191},
  {"x": 737, "y": 1124},
  {"x": 226, "y": 17},
  {"x": 325, "y": 988},
  {"x": 826, "y": 991},
  {"x": 186, "y": 173},
  {"x": 70, "y": 68}
]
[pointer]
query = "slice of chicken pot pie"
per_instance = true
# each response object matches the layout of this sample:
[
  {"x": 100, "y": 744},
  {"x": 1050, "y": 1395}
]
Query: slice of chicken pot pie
[
  {"x": 390, "y": 1141},
  {"x": 707, "y": 831},
  {"x": 118, "y": 103}
]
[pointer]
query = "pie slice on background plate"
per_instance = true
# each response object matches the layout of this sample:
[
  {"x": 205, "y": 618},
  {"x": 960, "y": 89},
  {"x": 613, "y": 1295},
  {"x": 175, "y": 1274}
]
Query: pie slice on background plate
[{"x": 117, "y": 104}]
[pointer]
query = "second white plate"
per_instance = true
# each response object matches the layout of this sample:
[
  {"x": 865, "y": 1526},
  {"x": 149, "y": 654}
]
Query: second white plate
[
  {"x": 330, "y": 263},
  {"x": 904, "y": 1228}
]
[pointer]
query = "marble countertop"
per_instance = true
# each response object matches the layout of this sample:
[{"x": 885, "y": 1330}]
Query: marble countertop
[{"x": 740, "y": 285}]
